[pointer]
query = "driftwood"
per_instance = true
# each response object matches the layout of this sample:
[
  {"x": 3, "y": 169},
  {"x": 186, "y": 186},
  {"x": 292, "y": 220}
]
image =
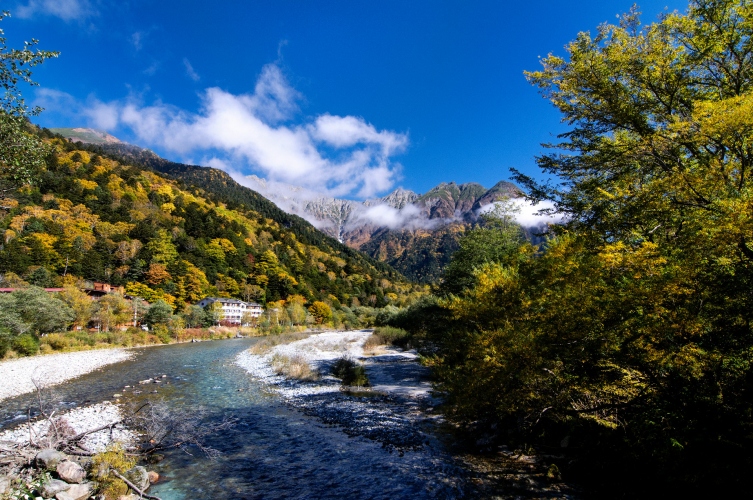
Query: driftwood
[{"x": 133, "y": 486}]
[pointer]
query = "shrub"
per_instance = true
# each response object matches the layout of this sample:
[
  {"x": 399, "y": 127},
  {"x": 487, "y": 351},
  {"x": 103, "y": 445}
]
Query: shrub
[
  {"x": 114, "y": 457},
  {"x": 26, "y": 345},
  {"x": 162, "y": 333},
  {"x": 296, "y": 367},
  {"x": 388, "y": 335},
  {"x": 351, "y": 373},
  {"x": 56, "y": 341}
]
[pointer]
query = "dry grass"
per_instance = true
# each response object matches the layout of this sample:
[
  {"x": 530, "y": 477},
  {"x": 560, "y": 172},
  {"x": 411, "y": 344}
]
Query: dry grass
[
  {"x": 296, "y": 367},
  {"x": 267, "y": 343}
]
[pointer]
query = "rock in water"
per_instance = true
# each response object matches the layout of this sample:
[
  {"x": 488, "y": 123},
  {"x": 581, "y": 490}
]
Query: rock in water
[
  {"x": 48, "y": 459},
  {"x": 153, "y": 477},
  {"x": 138, "y": 476},
  {"x": 71, "y": 472},
  {"x": 53, "y": 487}
]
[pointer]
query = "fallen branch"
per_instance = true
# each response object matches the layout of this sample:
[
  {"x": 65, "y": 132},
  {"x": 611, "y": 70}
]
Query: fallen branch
[
  {"x": 133, "y": 486},
  {"x": 82, "y": 435}
]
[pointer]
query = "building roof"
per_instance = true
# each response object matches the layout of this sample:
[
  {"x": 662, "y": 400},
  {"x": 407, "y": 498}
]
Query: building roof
[{"x": 229, "y": 301}]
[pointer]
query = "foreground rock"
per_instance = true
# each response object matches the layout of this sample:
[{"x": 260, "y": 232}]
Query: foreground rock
[
  {"x": 139, "y": 477},
  {"x": 18, "y": 375},
  {"x": 22, "y": 462},
  {"x": 71, "y": 472}
]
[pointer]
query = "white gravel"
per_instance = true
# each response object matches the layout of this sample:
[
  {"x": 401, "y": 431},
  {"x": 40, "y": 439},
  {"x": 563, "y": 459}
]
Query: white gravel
[
  {"x": 80, "y": 420},
  {"x": 316, "y": 349},
  {"x": 17, "y": 376}
]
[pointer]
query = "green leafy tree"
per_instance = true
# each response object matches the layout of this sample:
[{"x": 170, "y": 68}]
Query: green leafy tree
[
  {"x": 194, "y": 316},
  {"x": 21, "y": 152},
  {"x": 112, "y": 310},
  {"x": 214, "y": 313},
  {"x": 42, "y": 311},
  {"x": 159, "y": 313},
  {"x": 495, "y": 240}
]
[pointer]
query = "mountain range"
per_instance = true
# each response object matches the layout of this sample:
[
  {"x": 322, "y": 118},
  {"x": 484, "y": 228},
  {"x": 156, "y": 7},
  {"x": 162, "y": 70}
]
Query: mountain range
[{"x": 414, "y": 233}]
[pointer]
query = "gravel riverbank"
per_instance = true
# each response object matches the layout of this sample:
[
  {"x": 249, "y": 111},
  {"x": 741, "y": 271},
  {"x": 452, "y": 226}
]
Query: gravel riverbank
[
  {"x": 390, "y": 413},
  {"x": 79, "y": 420},
  {"x": 18, "y": 375}
]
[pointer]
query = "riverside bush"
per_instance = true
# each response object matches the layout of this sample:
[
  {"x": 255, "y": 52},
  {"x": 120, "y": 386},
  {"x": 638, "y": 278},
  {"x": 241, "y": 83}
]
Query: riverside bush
[
  {"x": 114, "y": 457},
  {"x": 296, "y": 367},
  {"x": 388, "y": 335},
  {"x": 351, "y": 373},
  {"x": 26, "y": 345}
]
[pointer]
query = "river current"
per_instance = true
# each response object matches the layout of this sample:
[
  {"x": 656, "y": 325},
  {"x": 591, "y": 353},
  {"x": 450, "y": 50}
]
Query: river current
[{"x": 274, "y": 451}]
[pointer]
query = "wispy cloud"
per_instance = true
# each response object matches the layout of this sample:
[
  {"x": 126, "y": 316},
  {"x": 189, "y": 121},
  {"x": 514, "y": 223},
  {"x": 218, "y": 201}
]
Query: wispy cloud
[
  {"x": 530, "y": 215},
  {"x": 67, "y": 10},
  {"x": 192, "y": 74},
  {"x": 263, "y": 132},
  {"x": 137, "y": 40},
  {"x": 152, "y": 68}
]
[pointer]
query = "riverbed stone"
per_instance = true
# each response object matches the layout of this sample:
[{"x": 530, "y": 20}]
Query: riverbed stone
[
  {"x": 4, "y": 485},
  {"x": 153, "y": 477},
  {"x": 71, "y": 472},
  {"x": 76, "y": 492},
  {"x": 138, "y": 476},
  {"x": 49, "y": 458},
  {"x": 53, "y": 487}
]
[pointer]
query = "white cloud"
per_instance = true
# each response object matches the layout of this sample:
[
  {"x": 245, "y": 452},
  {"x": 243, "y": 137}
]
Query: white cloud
[
  {"x": 345, "y": 131},
  {"x": 528, "y": 214},
  {"x": 67, "y": 10},
  {"x": 102, "y": 115},
  {"x": 334, "y": 155},
  {"x": 137, "y": 39},
  {"x": 192, "y": 74},
  {"x": 386, "y": 216}
]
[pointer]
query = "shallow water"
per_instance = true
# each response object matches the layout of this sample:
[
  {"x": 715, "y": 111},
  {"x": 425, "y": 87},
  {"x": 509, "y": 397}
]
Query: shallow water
[{"x": 274, "y": 451}]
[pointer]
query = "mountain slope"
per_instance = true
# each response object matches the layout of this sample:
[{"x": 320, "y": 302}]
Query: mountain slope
[{"x": 99, "y": 217}]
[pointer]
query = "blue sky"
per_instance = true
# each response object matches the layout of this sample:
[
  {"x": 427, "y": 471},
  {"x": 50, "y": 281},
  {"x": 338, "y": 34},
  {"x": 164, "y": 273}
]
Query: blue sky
[{"x": 350, "y": 97}]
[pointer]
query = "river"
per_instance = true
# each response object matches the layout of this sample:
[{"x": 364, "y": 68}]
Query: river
[{"x": 275, "y": 451}]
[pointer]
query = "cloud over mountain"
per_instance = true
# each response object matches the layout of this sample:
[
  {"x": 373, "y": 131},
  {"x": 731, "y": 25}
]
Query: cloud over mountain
[{"x": 261, "y": 131}]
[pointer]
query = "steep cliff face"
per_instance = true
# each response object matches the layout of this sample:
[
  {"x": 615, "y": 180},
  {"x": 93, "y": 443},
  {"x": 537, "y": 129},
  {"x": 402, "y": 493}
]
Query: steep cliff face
[{"x": 449, "y": 200}]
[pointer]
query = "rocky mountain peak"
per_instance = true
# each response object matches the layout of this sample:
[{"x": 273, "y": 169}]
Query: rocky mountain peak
[{"x": 87, "y": 135}]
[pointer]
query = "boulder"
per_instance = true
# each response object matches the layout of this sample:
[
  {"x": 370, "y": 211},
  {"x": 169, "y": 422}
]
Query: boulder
[
  {"x": 76, "y": 492},
  {"x": 138, "y": 476},
  {"x": 71, "y": 472},
  {"x": 153, "y": 477},
  {"x": 53, "y": 487},
  {"x": 48, "y": 459}
]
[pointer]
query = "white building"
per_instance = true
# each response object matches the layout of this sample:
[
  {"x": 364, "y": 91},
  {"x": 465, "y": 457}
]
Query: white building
[{"x": 233, "y": 310}]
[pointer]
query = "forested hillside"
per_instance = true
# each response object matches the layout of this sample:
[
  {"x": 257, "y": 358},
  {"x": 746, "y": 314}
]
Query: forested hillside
[{"x": 90, "y": 216}]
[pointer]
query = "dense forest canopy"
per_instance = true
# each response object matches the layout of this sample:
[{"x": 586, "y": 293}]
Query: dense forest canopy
[{"x": 92, "y": 217}]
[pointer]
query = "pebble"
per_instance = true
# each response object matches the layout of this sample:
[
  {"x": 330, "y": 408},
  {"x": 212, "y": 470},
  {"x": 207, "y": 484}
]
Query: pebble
[
  {"x": 17, "y": 374},
  {"x": 81, "y": 420}
]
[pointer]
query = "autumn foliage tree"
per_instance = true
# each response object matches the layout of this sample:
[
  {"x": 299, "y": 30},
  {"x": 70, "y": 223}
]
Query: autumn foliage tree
[{"x": 627, "y": 336}]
